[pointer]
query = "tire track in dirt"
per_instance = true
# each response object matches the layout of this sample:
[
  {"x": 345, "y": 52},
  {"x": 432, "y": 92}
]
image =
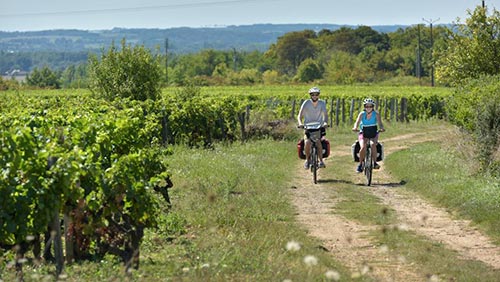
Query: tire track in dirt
[
  {"x": 348, "y": 241},
  {"x": 434, "y": 222}
]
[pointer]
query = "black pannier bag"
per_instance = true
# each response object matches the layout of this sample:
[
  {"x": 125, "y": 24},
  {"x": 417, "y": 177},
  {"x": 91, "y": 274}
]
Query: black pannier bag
[{"x": 356, "y": 147}]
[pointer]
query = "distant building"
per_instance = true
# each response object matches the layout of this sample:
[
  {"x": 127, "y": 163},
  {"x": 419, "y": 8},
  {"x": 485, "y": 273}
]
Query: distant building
[{"x": 16, "y": 74}]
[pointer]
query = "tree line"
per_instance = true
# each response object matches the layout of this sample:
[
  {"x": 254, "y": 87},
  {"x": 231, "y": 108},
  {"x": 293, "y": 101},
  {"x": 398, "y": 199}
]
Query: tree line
[
  {"x": 343, "y": 56},
  {"x": 346, "y": 55}
]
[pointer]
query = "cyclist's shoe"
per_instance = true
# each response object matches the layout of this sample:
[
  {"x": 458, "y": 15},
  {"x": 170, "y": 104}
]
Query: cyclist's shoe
[
  {"x": 322, "y": 165},
  {"x": 376, "y": 166},
  {"x": 306, "y": 165},
  {"x": 359, "y": 168}
]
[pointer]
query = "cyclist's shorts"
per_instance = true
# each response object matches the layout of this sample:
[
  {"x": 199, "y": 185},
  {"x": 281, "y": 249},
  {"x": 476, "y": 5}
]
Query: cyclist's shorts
[
  {"x": 361, "y": 138},
  {"x": 321, "y": 130}
]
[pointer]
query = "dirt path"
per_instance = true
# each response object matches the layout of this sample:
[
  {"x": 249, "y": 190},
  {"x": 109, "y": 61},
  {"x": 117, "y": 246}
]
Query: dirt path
[{"x": 348, "y": 240}]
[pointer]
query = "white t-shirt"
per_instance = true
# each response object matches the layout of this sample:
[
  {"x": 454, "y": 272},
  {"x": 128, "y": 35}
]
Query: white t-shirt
[{"x": 312, "y": 113}]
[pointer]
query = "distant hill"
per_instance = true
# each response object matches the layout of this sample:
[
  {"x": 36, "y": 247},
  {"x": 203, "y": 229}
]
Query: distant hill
[{"x": 180, "y": 40}]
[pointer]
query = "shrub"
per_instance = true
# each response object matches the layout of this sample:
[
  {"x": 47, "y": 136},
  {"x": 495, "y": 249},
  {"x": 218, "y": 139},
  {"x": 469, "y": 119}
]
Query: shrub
[
  {"x": 474, "y": 107},
  {"x": 44, "y": 78},
  {"x": 132, "y": 73}
]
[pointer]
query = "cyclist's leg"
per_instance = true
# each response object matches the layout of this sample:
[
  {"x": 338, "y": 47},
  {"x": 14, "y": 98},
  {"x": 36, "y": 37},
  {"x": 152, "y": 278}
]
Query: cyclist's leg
[
  {"x": 374, "y": 152},
  {"x": 362, "y": 152},
  {"x": 320, "y": 150},
  {"x": 307, "y": 151}
]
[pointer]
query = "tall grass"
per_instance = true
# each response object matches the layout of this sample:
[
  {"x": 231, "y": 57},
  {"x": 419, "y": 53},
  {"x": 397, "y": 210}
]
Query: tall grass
[{"x": 236, "y": 204}]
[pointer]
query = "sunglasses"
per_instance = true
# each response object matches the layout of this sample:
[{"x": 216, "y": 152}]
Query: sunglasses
[
  {"x": 369, "y": 106},
  {"x": 314, "y": 94}
]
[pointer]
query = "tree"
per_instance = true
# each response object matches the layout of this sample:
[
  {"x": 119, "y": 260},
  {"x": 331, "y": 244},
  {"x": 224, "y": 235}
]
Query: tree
[
  {"x": 344, "y": 39},
  {"x": 74, "y": 76},
  {"x": 473, "y": 49},
  {"x": 346, "y": 68},
  {"x": 130, "y": 73},
  {"x": 44, "y": 78},
  {"x": 309, "y": 70},
  {"x": 292, "y": 49}
]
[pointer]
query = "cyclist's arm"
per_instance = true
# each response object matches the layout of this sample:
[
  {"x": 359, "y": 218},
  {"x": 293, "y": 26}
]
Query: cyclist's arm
[
  {"x": 358, "y": 121},
  {"x": 326, "y": 117},
  {"x": 379, "y": 121},
  {"x": 300, "y": 116}
]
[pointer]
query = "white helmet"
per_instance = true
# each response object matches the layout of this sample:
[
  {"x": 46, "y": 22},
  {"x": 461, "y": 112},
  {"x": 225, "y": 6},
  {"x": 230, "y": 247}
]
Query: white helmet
[
  {"x": 368, "y": 101},
  {"x": 314, "y": 90}
]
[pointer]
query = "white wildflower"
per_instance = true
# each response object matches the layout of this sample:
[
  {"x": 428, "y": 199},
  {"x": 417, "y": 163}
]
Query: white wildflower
[
  {"x": 384, "y": 248},
  {"x": 310, "y": 260},
  {"x": 434, "y": 278},
  {"x": 293, "y": 246},
  {"x": 332, "y": 275},
  {"x": 403, "y": 227}
]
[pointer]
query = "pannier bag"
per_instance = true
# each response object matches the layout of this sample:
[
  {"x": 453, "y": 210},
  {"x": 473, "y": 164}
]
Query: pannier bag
[
  {"x": 324, "y": 142},
  {"x": 355, "y": 151},
  {"x": 300, "y": 149},
  {"x": 326, "y": 147},
  {"x": 356, "y": 147}
]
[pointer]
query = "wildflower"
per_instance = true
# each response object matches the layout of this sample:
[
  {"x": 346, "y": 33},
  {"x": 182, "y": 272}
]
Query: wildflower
[
  {"x": 403, "y": 227},
  {"x": 185, "y": 269},
  {"x": 293, "y": 246},
  {"x": 384, "y": 248},
  {"x": 434, "y": 278},
  {"x": 310, "y": 260},
  {"x": 332, "y": 275}
]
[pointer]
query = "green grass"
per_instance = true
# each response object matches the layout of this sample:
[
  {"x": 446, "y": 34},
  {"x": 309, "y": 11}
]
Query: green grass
[{"x": 236, "y": 202}]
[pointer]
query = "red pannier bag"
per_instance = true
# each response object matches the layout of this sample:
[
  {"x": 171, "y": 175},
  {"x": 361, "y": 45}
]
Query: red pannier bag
[{"x": 324, "y": 142}]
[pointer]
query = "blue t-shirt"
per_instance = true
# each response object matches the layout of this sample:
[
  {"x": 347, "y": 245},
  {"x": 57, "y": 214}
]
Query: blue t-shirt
[{"x": 368, "y": 122}]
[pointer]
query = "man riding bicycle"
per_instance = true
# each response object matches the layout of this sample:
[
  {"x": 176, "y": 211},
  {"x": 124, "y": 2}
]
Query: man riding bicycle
[
  {"x": 313, "y": 110},
  {"x": 368, "y": 118}
]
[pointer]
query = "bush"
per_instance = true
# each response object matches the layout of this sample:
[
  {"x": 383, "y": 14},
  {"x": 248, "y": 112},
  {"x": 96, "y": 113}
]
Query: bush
[
  {"x": 44, "y": 78},
  {"x": 474, "y": 107},
  {"x": 132, "y": 73}
]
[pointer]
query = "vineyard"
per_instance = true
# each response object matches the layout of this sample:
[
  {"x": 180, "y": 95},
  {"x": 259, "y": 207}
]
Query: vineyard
[{"x": 102, "y": 168}]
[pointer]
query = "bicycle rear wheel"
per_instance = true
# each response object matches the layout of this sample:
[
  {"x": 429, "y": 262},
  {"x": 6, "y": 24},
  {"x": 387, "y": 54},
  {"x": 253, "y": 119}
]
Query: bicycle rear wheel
[{"x": 368, "y": 165}]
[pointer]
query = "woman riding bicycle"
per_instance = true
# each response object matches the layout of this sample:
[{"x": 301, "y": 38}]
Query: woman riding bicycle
[
  {"x": 313, "y": 110},
  {"x": 368, "y": 119}
]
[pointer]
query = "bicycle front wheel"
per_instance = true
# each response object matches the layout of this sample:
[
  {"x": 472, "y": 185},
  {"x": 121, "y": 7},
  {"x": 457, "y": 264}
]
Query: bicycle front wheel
[
  {"x": 368, "y": 165},
  {"x": 314, "y": 164}
]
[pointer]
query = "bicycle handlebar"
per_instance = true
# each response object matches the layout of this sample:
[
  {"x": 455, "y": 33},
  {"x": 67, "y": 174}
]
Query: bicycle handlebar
[{"x": 312, "y": 127}]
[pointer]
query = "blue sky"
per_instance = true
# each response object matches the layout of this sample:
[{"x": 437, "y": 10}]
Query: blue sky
[{"x": 30, "y": 15}]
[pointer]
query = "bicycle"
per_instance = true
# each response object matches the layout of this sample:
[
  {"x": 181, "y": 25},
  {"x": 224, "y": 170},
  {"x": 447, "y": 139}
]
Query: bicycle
[
  {"x": 369, "y": 162},
  {"x": 313, "y": 133}
]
